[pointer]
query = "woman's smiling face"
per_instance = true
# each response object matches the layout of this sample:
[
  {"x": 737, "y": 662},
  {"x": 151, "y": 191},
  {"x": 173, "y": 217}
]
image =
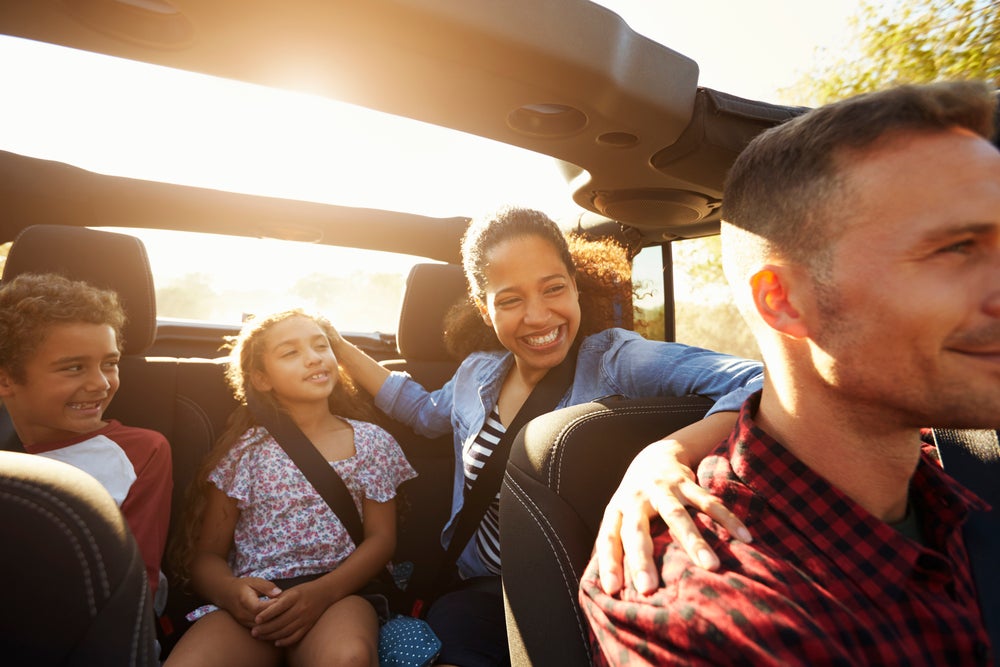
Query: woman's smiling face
[{"x": 531, "y": 302}]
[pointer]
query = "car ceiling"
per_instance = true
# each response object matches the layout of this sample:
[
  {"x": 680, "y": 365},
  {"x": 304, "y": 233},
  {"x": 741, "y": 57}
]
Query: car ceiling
[{"x": 639, "y": 141}]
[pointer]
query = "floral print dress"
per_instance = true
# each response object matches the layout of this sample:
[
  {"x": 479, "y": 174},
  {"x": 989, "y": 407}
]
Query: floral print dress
[{"x": 285, "y": 528}]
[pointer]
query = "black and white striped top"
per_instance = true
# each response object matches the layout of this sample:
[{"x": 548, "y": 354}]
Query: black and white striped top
[{"x": 474, "y": 458}]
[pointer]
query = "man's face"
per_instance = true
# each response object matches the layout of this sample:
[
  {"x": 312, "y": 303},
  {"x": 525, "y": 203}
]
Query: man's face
[
  {"x": 67, "y": 386},
  {"x": 910, "y": 319}
]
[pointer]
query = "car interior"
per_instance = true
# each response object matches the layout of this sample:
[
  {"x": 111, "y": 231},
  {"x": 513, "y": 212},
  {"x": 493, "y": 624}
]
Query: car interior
[{"x": 644, "y": 150}]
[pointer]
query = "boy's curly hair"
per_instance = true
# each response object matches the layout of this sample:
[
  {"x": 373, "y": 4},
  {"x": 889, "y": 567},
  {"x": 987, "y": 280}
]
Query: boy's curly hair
[{"x": 31, "y": 304}]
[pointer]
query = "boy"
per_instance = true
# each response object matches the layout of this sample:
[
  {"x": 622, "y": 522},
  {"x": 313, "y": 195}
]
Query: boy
[{"x": 60, "y": 342}]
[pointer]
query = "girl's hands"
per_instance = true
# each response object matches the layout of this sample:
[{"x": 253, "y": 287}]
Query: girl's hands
[
  {"x": 241, "y": 598},
  {"x": 287, "y": 617},
  {"x": 660, "y": 481}
]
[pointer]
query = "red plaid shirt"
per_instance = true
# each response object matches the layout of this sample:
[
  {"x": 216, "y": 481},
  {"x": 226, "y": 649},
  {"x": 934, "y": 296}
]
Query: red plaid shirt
[{"x": 823, "y": 583}]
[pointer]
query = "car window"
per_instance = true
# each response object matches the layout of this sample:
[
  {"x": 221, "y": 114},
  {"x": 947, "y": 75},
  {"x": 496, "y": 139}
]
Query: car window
[
  {"x": 705, "y": 313},
  {"x": 222, "y": 279}
]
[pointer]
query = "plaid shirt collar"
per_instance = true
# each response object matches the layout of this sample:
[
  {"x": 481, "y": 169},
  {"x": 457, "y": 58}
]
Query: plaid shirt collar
[{"x": 863, "y": 545}]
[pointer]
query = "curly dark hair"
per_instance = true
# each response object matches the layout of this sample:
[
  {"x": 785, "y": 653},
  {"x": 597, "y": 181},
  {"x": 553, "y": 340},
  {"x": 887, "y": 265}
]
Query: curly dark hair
[
  {"x": 31, "y": 304},
  {"x": 601, "y": 267}
]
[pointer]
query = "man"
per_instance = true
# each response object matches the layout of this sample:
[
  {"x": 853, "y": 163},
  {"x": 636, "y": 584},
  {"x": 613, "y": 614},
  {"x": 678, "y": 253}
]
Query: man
[{"x": 862, "y": 242}]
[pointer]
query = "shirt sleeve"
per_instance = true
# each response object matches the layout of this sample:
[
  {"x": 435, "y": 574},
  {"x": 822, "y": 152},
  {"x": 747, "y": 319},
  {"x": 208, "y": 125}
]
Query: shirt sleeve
[
  {"x": 644, "y": 368},
  {"x": 385, "y": 465},
  {"x": 698, "y": 617},
  {"x": 229, "y": 476},
  {"x": 426, "y": 412},
  {"x": 147, "y": 506}
]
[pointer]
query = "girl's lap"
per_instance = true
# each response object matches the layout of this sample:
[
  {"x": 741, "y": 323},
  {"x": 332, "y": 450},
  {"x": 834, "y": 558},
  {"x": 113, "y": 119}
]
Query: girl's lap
[
  {"x": 345, "y": 633},
  {"x": 217, "y": 639}
]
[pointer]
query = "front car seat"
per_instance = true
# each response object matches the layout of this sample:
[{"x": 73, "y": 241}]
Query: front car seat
[
  {"x": 74, "y": 580},
  {"x": 562, "y": 470},
  {"x": 565, "y": 465}
]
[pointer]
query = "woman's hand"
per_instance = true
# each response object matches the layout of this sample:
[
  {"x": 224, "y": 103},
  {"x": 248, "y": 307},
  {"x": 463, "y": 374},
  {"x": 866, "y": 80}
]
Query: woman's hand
[{"x": 660, "y": 481}]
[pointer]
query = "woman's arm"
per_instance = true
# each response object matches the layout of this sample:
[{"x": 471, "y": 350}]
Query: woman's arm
[
  {"x": 660, "y": 481},
  {"x": 293, "y": 613},
  {"x": 405, "y": 400},
  {"x": 640, "y": 368},
  {"x": 210, "y": 573}
]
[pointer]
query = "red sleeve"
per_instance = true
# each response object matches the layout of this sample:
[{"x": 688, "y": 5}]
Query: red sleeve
[{"x": 147, "y": 505}]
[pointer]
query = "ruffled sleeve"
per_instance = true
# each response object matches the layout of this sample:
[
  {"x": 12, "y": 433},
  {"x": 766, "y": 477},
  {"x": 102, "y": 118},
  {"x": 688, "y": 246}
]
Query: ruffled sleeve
[
  {"x": 229, "y": 475},
  {"x": 381, "y": 464}
]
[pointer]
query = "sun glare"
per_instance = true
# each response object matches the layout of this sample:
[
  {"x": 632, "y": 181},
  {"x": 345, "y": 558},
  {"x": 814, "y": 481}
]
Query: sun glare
[{"x": 132, "y": 119}]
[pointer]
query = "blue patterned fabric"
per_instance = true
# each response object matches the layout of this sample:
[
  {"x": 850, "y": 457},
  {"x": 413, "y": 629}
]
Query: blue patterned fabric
[{"x": 404, "y": 641}]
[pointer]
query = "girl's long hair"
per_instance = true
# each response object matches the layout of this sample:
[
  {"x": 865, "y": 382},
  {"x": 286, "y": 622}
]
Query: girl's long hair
[{"x": 246, "y": 352}]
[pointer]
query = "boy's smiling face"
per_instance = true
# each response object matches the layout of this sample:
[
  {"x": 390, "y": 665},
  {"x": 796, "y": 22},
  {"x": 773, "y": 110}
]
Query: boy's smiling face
[{"x": 68, "y": 384}]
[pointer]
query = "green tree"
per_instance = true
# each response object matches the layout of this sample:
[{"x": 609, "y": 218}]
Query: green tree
[{"x": 909, "y": 41}]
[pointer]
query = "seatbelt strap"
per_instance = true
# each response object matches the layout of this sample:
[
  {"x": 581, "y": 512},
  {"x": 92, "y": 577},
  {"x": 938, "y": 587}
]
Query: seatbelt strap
[
  {"x": 542, "y": 399},
  {"x": 973, "y": 458},
  {"x": 313, "y": 465}
]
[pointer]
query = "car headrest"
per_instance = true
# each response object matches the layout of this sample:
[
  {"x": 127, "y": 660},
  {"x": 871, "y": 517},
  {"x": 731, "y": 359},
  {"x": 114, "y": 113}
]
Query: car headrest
[
  {"x": 431, "y": 289},
  {"x": 104, "y": 259}
]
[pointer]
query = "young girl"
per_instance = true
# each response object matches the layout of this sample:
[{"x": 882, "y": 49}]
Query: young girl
[{"x": 260, "y": 543}]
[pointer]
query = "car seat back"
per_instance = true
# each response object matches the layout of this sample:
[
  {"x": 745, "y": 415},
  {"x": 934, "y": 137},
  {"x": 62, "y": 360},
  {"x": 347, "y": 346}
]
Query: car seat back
[
  {"x": 75, "y": 580},
  {"x": 565, "y": 465},
  {"x": 111, "y": 261},
  {"x": 431, "y": 290},
  {"x": 562, "y": 470}
]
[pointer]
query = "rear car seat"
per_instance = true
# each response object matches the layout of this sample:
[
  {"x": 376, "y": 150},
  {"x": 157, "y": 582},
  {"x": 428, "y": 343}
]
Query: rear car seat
[
  {"x": 431, "y": 289},
  {"x": 184, "y": 399}
]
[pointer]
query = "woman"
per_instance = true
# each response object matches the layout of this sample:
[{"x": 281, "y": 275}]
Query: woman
[{"x": 522, "y": 281}]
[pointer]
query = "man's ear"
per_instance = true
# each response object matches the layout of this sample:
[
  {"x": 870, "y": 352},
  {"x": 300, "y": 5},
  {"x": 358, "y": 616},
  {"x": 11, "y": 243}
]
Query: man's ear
[
  {"x": 484, "y": 312},
  {"x": 776, "y": 291}
]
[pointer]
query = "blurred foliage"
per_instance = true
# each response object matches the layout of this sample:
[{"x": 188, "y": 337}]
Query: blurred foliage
[
  {"x": 909, "y": 41},
  {"x": 357, "y": 302},
  {"x": 704, "y": 310}
]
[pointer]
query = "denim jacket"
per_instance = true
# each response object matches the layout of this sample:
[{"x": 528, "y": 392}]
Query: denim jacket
[{"x": 612, "y": 362}]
